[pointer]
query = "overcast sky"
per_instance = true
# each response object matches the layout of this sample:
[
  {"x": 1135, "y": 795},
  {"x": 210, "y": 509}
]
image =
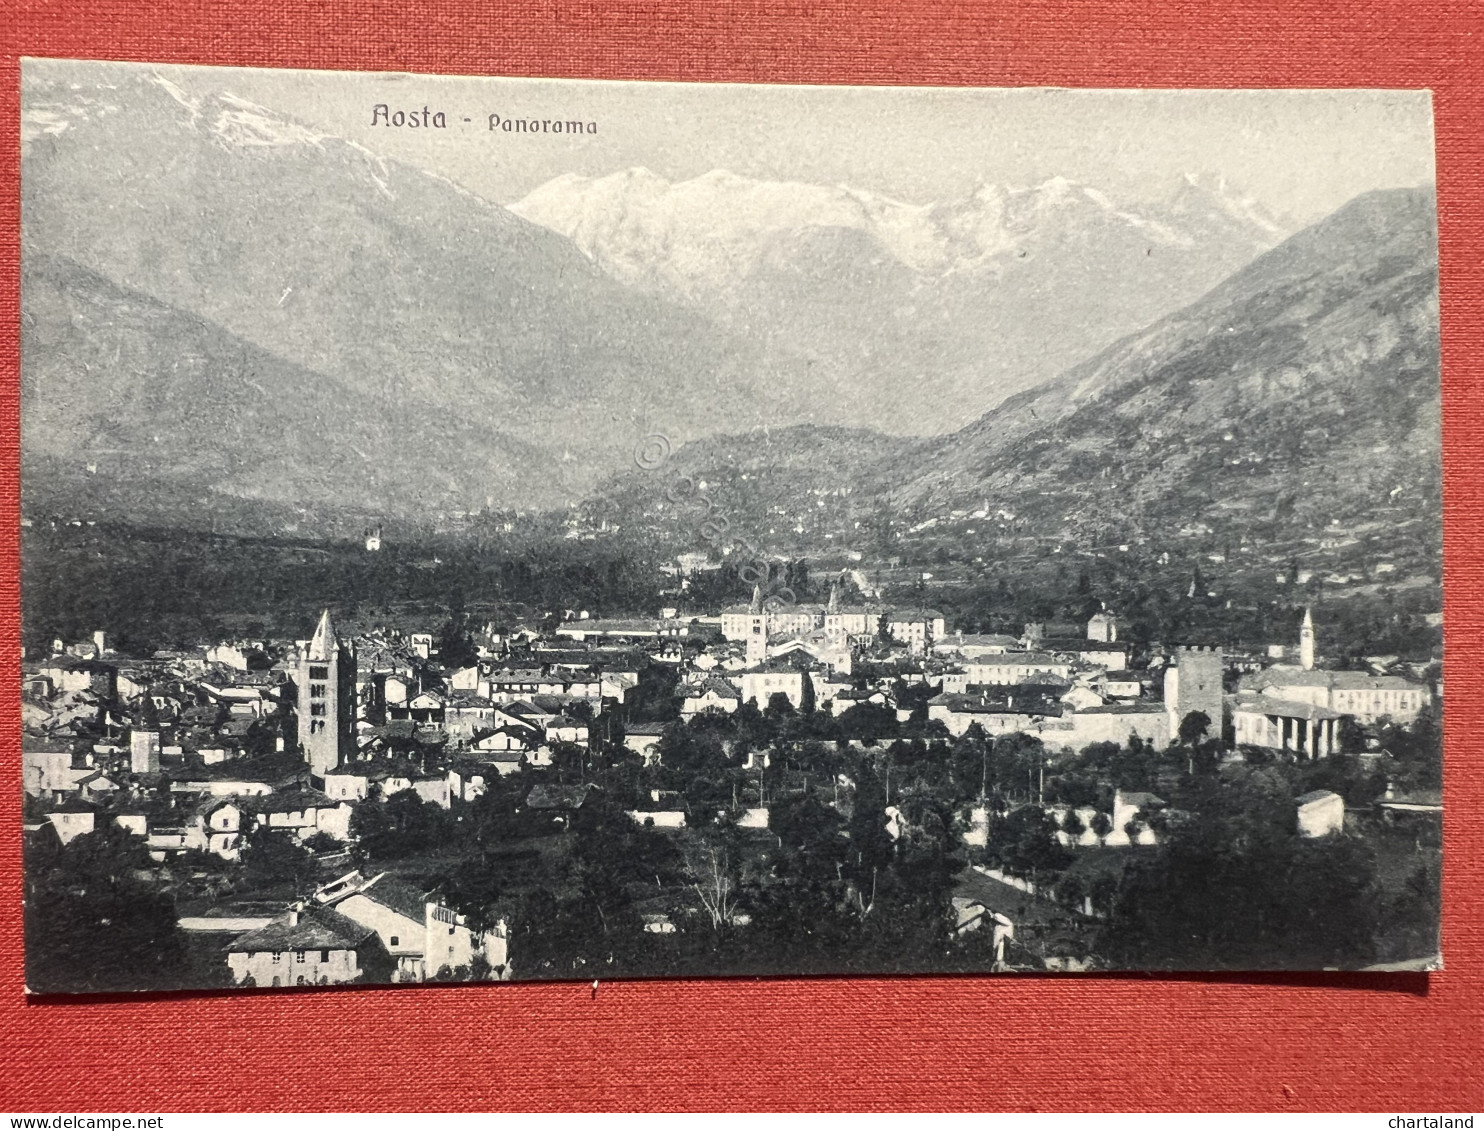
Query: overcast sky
[{"x": 1302, "y": 153}]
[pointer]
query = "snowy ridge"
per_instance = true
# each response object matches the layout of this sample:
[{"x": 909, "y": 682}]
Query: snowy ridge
[{"x": 697, "y": 234}]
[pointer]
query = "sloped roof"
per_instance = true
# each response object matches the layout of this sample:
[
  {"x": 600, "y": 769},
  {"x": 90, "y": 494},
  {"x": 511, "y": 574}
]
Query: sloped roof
[
  {"x": 1316, "y": 795},
  {"x": 716, "y": 684},
  {"x": 322, "y": 646},
  {"x": 1283, "y": 708},
  {"x": 559, "y": 796},
  {"x": 1284, "y": 676},
  {"x": 318, "y": 928},
  {"x": 289, "y": 801},
  {"x": 397, "y": 894}
]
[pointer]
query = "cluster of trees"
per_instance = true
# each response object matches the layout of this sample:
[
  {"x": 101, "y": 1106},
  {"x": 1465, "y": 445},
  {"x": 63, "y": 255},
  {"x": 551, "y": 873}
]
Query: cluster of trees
[
  {"x": 160, "y": 588},
  {"x": 94, "y": 922}
]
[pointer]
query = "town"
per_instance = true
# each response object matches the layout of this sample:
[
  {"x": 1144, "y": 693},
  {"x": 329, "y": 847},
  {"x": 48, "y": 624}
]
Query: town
[{"x": 772, "y": 786}]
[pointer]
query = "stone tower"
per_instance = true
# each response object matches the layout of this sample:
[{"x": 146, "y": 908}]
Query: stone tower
[
  {"x": 757, "y": 629},
  {"x": 1194, "y": 684},
  {"x": 327, "y": 699},
  {"x": 1306, "y": 643}
]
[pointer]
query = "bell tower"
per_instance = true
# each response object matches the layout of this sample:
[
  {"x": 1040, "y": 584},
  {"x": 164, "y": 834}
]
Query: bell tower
[
  {"x": 327, "y": 699},
  {"x": 1306, "y": 643}
]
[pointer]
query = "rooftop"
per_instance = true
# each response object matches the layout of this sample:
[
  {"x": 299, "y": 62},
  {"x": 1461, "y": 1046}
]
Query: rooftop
[{"x": 317, "y": 928}]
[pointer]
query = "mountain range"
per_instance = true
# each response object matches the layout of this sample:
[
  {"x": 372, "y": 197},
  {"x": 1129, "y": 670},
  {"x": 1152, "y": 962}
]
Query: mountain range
[
  {"x": 1300, "y": 396},
  {"x": 915, "y": 318},
  {"x": 409, "y": 299},
  {"x": 226, "y": 315}
]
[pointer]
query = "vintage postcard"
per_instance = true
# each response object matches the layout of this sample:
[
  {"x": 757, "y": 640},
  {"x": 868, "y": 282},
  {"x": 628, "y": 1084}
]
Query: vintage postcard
[{"x": 489, "y": 529}]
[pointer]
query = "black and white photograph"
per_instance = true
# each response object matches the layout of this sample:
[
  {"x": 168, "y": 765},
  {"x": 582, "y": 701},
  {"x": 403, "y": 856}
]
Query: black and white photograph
[{"x": 495, "y": 529}]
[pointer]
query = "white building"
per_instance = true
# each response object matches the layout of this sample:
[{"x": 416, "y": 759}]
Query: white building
[
  {"x": 1320, "y": 813},
  {"x": 417, "y": 929}
]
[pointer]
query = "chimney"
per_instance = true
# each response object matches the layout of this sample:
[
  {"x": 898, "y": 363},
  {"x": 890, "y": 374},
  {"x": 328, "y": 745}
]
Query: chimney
[{"x": 293, "y": 919}]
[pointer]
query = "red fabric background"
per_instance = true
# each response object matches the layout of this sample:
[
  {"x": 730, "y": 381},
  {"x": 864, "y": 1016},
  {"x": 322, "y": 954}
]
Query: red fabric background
[{"x": 1385, "y": 1042}]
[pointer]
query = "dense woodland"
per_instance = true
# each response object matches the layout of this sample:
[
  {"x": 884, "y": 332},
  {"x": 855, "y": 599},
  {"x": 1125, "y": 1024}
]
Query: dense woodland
[{"x": 162, "y": 588}]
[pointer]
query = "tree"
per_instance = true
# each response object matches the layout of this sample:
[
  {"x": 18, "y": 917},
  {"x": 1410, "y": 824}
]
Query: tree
[
  {"x": 1102, "y": 825},
  {"x": 1350, "y": 735},
  {"x": 1194, "y": 727},
  {"x": 92, "y": 925},
  {"x": 1073, "y": 825},
  {"x": 779, "y": 706},
  {"x": 1025, "y": 841},
  {"x": 716, "y": 885},
  {"x": 809, "y": 832},
  {"x": 870, "y": 842},
  {"x": 806, "y": 699},
  {"x": 273, "y": 856},
  {"x": 455, "y": 643}
]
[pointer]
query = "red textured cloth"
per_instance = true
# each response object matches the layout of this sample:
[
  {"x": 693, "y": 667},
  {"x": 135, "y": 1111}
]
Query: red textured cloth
[{"x": 1384, "y": 1042}]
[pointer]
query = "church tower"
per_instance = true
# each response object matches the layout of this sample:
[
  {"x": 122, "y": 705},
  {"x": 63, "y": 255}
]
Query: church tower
[
  {"x": 1306, "y": 643},
  {"x": 327, "y": 699},
  {"x": 757, "y": 629}
]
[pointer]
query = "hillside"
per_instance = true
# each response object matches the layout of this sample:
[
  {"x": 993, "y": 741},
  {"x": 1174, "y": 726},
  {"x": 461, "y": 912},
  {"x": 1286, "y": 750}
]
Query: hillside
[
  {"x": 132, "y": 408},
  {"x": 775, "y": 487},
  {"x": 405, "y": 295},
  {"x": 1301, "y": 394}
]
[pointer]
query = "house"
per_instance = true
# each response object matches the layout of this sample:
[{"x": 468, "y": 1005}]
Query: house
[
  {"x": 846, "y": 698},
  {"x": 302, "y": 812},
  {"x": 1081, "y": 697},
  {"x": 348, "y": 782},
  {"x": 714, "y": 694},
  {"x": 616, "y": 684},
  {"x": 36, "y": 686},
  {"x": 47, "y": 767},
  {"x": 1122, "y": 685},
  {"x": 1017, "y": 667},
  {"x": 70, "y": 674},
  {"x": 971, "y": 646},
  {"x": 469, "y": 780},
  {"x": 144, "y": 751},
  {"x": 507, "y": 738},
  {"x": 424, "y": 707},
  {"x": 465, "y": 713},
  {"x": 309, "y": 946},
  {"x": 464, "y": 679},
  {"x": 72, "y": 818},
  {"x": 564, "y": 728},
  {"x": 561, "y": 801},
  {"x": 216, "y": 827},
  {"x": 1320, "y": 813},
  {"x": 659, "y": 818},
  {"x": 759, "y": 687},
  {"x": 916, "y": 628},
  {"x": 1010, "y": 715},
  {"x": 1369, "y": 698},
  {"x": 644, "y": 739},
  {"x": 1127, "y": 807},
  {"x": 415, "y": 927},
  {"x": 96, "y": 786},
  {"x": 433, "y": 787}
]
